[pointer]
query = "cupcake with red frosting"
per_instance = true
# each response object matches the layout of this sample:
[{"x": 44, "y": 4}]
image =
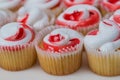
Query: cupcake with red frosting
[
  {"x": 82, "y": 18},
  {"x": 103, "y": 49},
  {"x": 59, "y": 51},
  {"x": 109, "y": 6},
  {"x": 53, "y": 5},
  {"x": 69, "y": 3},
  {"x": 12, "y": 5},
  {"x": 17, "y": 50},
  {"x": 35, "y": 17}
]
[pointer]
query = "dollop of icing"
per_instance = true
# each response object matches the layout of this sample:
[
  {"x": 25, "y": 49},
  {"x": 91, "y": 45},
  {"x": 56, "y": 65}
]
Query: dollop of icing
[
  {"x": 111, "y": 5},
  {"x": 15, "y": 34},
  {"x": 9, "y": 4},
  {"x": 107, "y": 38},
  {"x": 61, "y": 40},
  {"x": 6, "y": 16},
  {"x": 79, "y": 15},
  {"x": 69, "y": 3},
  {"x": 34, "y": 17},
  {"x": 43, "y": 4}
]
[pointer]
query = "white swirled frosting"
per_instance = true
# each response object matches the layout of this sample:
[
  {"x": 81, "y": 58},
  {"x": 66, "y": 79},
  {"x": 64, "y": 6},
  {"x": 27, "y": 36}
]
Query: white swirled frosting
[
  {"x": 6, "y": 16},
  {"x": 43, "y": 4},
  {"x": 106, "y": 39},
  {"x": 15, "y": 34},
  {"x": 9, "y": 4},
  {"x": 34, "y": 17}
]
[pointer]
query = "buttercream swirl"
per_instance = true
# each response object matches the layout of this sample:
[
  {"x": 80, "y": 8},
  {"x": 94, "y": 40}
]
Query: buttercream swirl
[
  {"x": 79, "y": 15},
  {"x": 15, "y": 34},
  {"x": 107, "y": 38}
]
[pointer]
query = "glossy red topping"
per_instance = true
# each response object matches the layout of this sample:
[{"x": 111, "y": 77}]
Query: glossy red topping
[
  {"x": 117, "y": 18},
  {"x": 93, "y": 32},
  {"x": 76, "y": 16},
  {"x": 73, "y": 2},
  {"x": 111, "y": 4},
  {"x": 58, "y": 38},
  {"x": 24, "y": 20},
  {"x": 107, "y": 23}
]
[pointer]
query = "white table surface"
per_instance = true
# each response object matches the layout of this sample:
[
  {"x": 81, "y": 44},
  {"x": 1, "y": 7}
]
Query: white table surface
[{"x": 36, "y": 73}]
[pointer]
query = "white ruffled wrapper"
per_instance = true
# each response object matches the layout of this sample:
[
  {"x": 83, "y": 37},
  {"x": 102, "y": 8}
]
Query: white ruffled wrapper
[
  {"x": 58, "y": 63},
  {"x": 104, "y": 63}
]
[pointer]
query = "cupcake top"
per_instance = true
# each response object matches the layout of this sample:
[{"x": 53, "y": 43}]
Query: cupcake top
[
  {"x": 116, "y": 17},
  {"x": 69, "y": 3},
  {"x": 111, "y": 5},
  {"x": 9, "y": 4},
  {"x": 6, "y": 16},
  {"x": 35, "y": 17},
  {"x": 107, "y": 38},
  {"x": 43, "y": 4},
  {"x": 15, "y": 33},
  {"x": 79, "y": 15},
  {"x": 61, "y": 40}
]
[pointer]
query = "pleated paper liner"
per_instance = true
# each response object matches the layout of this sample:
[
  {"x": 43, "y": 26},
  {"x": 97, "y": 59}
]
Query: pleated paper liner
[
  {"x": 58, "y": 63},
  {"x": 105, "y": 64},
  {"x": 17, "y": 57}
]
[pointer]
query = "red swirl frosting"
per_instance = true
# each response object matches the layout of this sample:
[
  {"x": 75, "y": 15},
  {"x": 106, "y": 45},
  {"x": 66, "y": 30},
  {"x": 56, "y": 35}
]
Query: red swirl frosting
[
  {"x": 111, "y": 5},
  {"x": 61, "y": 40},
  {"x": 79, "y": 15}
]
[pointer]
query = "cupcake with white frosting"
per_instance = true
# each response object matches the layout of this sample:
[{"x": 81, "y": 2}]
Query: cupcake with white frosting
[
  {"x": 16, "y": 46},
  {"x": 12, "y": 5},
  {"x": 35, "y": 17},
  {"x": 59, "y": 51},
  {"x": 103, "y": 49},
  {"x": 109, "y": 6},
  {"x": 6, "y": 16},
  {"x": 53, "y": 5},
  {"x": 82, "y": 18}
]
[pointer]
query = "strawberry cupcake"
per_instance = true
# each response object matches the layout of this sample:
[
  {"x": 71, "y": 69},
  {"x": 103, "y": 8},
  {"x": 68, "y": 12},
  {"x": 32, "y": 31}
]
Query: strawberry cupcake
[
  {"x": 103, "y": 49},
  {"x": 53, "y": 5},
  {"x": 12, "y": 5},
  {"x": 69, "y": 3},
  {"x": 17, "y": 50},
  {"x": 6, "y": 16},
  {"x": 109, "y": 6},
  {"x": 35, "y": 17},
  {"x": 82, "y": 18},
  {"x": 59, "y": 51}
]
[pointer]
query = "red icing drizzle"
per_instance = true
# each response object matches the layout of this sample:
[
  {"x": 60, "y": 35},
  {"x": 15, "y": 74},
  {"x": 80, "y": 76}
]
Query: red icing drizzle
[
  {"x": 93, "y": 32},
  {"x": 72, "y": 2},
  {"x": 75, "y": 16},
  {"x": 110, "y": 5},
  {"x": 24, "y": 20},
  {"x": 117, "y": 18},
  {"x": 57, "y": 38},
  {"x": 107, "y": 23}
]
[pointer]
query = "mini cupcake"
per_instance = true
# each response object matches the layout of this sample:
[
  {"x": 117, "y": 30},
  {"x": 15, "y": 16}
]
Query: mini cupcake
[
  {"x": 116, "y": 17},
  {"x": 35, "y": 17},
  {"x": 12, "y": 5},
  {"x": 53, "y": 5},
  {"x": 59, "y": 51},
  {"x": 82, "y": 18},
  {"x": 6, "y": 16},
  {"x": 103, "y": 49},
  {"x": 17, "y": 50},
  {"x": 109, "y": 6},
  {"x": 69, "y": 3}
]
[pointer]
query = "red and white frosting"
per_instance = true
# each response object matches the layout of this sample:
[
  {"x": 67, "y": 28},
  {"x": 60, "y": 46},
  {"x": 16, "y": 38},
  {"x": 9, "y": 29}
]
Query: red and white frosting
[
  {"x": 116, "y": 17},
  {"x": 15, "y": 34},
  {"x": 79, "y": 15},
  {"x": 43, "y": 4},
  {"x": 6, "y": 16},
  {"x": 10, "y": 4},
  {"x": 35, "y": 17},
  {"x": 106, "y": 39},
  {"x": 61, "y": 40},
  {"x": 110, "y": 5},
  {"x": 69, "y": 3}
]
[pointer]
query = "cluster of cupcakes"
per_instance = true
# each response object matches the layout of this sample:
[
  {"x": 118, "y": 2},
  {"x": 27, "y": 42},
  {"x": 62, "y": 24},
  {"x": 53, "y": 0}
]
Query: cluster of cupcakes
[{"x": 56, "y": 31}]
